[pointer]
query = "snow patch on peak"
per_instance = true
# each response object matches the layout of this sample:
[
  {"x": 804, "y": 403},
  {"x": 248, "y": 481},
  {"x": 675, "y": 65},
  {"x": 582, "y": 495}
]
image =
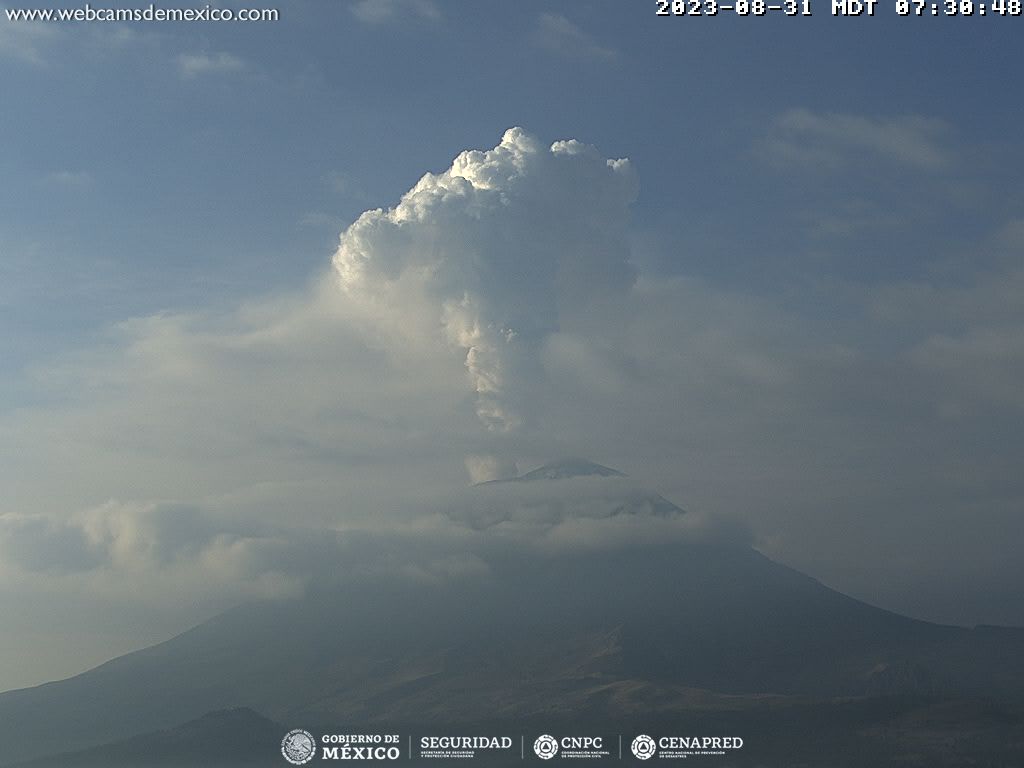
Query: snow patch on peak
[{"x": 566, "y": 468}]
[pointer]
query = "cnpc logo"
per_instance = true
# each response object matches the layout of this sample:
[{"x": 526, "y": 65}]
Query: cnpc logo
[
  {"x": 545, "y": 746},
  {"x": 548, "y": 746}
]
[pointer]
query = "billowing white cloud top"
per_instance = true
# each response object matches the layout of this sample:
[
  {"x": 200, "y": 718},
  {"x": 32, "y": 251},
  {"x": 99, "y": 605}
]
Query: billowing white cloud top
[{"x": 502, "y": 249}]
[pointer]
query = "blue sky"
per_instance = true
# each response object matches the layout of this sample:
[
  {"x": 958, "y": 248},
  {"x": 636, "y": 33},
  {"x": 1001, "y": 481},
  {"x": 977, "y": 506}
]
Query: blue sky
[
  {"x": 829, "y": 228},
  {"x": 134, "y": 183}
]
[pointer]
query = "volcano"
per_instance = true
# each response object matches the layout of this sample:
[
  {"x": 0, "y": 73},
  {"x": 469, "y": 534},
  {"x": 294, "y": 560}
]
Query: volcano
[{"x": 685, "y": 623}]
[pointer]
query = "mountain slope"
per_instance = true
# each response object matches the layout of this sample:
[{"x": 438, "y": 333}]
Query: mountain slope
[
  {"x": 594, "y": 632},
  {"x": 228, "y": 739}
]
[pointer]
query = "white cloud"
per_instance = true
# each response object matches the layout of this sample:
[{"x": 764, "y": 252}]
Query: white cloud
[
  {"x": 192, "y": 65},
  {"x": 804, "y": 138},
  {"x": 209, "y": 555},
  {"x": 556, "y": 34},
  {"x": 983, "y": 362},
  {"x": 27, "y": 42},
  {"x": 485, "y": 468},
  {"x": 502, "y": 249},
  {"x": 384, "y": 11},
  {"x": 346, "y": 186}
]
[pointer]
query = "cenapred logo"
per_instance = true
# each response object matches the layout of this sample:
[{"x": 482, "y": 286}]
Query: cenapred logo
[
  {"x": 546, "y": 747},
  {"x": 298, "y": 746},
  {"x": 644, "y": 747}
]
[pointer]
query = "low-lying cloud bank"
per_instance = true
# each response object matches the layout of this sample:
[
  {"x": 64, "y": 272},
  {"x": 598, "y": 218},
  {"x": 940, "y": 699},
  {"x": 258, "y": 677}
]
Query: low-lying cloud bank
[{"x": 164, "y": 551}]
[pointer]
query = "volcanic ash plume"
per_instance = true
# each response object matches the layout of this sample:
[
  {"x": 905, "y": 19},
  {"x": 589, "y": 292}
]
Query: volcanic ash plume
[{"x": 500, "y": 250}]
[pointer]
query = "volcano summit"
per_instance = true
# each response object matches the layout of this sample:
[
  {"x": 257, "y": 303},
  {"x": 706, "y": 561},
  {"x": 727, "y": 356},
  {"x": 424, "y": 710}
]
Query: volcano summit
[{"x": 576, "y": 599}]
